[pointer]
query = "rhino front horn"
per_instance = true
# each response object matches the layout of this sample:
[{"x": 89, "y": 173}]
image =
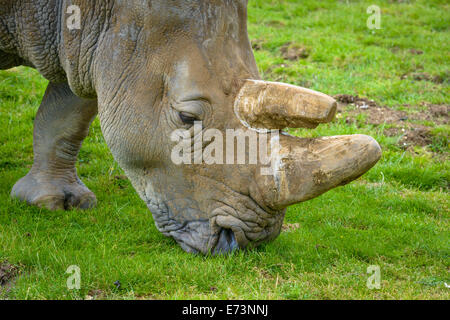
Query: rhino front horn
[
  {"x": 273, "y": 105},
  {"x": 306, "y": 168}
]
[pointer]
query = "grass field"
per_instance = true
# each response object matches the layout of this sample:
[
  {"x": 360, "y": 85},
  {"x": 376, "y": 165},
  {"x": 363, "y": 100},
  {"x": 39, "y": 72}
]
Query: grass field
[{"x": 395, "y": 217}]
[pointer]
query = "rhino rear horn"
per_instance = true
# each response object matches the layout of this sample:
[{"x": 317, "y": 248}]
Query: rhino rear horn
[{"x": 273, "y": 105}]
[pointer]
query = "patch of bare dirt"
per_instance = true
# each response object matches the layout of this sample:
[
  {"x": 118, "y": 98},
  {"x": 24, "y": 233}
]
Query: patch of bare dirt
[
  {"x": 416, "y": 51},
  {"x": 416, "y": 135},
  {"x": 120, "y": 181},
  {"x": 276, "y": 23},
  {"x": 437, "y": 113},
  {"x": 423, "y": 76},
  {"x": 8, "y": 273},
  {"x": 404, "y": 124},
  {"x": 377, "y": 114},
  {"x": 439, "y": 110},
  {"x": 419, "y": 136},
  {"x": 288, "y": 227},
  {"x": 257, "y": 44},
  {"x": 356, "y": 100},
  {"x": 394, "y": 131},
  {"x": 293, "y": 52},
  {"x": 380, "y": 115},
  {"x": 96, "y": 294}
]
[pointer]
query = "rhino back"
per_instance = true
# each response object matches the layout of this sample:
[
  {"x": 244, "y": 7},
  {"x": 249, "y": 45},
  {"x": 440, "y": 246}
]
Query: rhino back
[
  {"x": 29, "y": 35},
  {"x": 32, "y": 33}
]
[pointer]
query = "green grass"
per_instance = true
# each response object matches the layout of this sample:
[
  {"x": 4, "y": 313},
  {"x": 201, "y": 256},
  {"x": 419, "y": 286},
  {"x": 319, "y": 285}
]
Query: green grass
[{"x": 396, "y": 216}]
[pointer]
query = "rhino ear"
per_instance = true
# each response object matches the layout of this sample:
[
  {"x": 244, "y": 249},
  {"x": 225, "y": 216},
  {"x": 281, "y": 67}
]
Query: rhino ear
[{"x": 274, "y": 105}]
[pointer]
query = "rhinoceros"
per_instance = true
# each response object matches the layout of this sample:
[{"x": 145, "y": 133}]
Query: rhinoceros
[{"x": 148, "y": 68}]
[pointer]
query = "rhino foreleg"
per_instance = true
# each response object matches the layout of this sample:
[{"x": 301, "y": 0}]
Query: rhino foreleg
[{"x": 62, "y": 122}]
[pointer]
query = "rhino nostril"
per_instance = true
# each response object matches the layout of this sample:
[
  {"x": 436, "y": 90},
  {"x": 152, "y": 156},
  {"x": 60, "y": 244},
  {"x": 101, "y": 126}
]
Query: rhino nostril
[{"x": 226, "y": 243}]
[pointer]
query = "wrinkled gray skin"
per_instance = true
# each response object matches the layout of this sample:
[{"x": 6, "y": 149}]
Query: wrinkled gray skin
[{"x": 138, "y": 64}]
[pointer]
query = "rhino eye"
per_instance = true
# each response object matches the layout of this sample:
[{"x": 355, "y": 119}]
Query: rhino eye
[{"x": 187, "y": 118}]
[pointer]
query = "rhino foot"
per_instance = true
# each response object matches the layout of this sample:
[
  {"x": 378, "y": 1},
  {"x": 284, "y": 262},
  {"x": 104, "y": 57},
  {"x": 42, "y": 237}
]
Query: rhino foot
[
  {"x": 38, "y": 190},
  {"x": 61, "y": 124}
]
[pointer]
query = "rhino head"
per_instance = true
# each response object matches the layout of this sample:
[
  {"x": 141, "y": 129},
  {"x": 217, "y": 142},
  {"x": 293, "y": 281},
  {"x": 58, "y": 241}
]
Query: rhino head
[{"x": 162, "y": 66}]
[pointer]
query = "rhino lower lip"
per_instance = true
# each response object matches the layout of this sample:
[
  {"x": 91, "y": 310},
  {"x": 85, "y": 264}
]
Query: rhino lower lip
[{"x": 226, "y": 243}]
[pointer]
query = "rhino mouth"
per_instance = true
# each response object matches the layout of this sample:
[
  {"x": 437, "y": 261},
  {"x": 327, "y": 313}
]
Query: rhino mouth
[
  {"x": 227, "y": 230},
  {"x": 226, "y": 242}
]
